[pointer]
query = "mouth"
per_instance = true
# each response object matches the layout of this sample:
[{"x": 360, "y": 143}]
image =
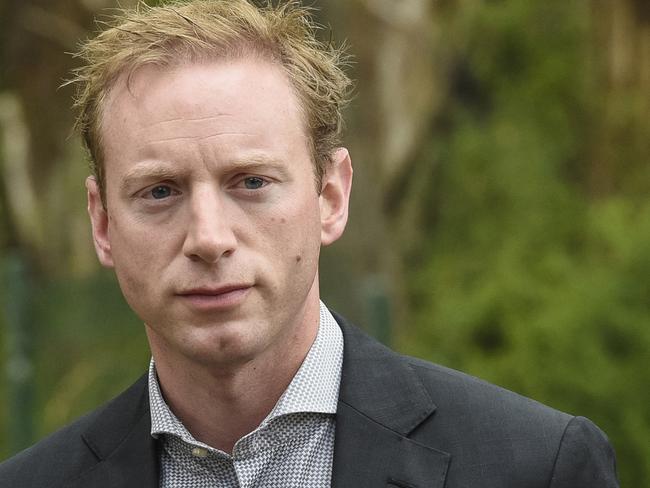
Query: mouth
[{"x": 215, "y": 298}]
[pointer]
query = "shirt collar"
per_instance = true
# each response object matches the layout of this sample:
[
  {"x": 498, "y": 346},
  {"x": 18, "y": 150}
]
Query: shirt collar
[{"x": 314, "y": 388}]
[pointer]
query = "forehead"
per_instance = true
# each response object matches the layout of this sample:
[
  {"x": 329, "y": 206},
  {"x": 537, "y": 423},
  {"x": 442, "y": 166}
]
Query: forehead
[{"x": 201, "y": 100}]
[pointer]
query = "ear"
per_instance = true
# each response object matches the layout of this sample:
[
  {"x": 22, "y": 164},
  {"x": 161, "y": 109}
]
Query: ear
[
  {"x": 99, "y": 222},
  {"x": 335, "y": 196}
]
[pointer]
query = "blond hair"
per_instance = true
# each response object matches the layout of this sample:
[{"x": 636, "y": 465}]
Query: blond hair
[{"x": 182, "y": 30}]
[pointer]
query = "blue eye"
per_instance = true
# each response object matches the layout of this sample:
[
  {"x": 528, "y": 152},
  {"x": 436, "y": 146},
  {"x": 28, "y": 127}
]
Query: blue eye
[
  {"x": 253, "y": 183},
  {"x": 161, "y": 191}
]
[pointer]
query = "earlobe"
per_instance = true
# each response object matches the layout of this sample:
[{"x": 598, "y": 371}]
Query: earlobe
[
  {"x": 335, "y": 196},
  {"x": 99, "y": 222}
]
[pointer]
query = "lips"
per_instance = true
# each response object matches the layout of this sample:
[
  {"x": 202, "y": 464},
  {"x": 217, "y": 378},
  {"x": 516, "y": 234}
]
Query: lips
[
  {"x": 216, "y": 298},
  {"x": 213, "y": 291}
]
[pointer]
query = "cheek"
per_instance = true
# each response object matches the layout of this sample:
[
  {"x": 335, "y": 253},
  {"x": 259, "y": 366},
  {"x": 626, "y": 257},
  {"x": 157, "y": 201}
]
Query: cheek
[
  {"x": 131, "y": 266},
  {"x": 294, "y": 233},
  {"x": 138, "y": 253},
  {"x": 136, "y": 240}
]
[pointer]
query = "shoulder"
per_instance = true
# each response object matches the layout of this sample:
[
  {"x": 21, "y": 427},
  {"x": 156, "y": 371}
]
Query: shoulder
[
  {"x": 52, "y": 460},
  {"x": 456, "y": 395},
  {"x": 495, "y": 437},
  {"x": 541, "y": 445},
  {"x": 66, "y": 453},
  {"x": 455, "y": 391}
]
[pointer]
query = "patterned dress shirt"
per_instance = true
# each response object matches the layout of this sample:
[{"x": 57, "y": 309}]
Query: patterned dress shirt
[{"x": 292, "y": 447}]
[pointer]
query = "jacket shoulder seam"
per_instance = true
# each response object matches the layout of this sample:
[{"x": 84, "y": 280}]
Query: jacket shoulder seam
[{"x": 559, "y": 448}]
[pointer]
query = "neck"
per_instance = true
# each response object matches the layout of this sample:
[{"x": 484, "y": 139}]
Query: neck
[{"x": 220, "y": 403}]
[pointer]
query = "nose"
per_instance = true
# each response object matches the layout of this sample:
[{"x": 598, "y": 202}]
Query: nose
[{"x": 210, "y": 234}]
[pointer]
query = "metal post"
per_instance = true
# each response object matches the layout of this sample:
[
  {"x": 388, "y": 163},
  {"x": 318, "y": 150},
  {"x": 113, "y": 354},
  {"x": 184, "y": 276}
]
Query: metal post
[
  {"x": 377, "y": 309},
  {"x": 19, "y": 368}
]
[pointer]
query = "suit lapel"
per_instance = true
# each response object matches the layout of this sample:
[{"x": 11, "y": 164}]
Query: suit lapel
[
  {"x": 121, "y": 440},
  {"x": 381, "y": 402}
]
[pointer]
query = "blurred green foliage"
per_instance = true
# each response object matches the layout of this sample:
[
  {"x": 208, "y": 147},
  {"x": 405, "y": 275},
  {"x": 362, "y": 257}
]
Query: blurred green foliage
[
  {"x": 524, "y": 278},
  {"x": 88, "y": 347}
]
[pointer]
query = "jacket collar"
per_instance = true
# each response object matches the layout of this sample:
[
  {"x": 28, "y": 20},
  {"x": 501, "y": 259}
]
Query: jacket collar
[
  {"x": 120, "y": 438},
  {"x": 381, "y": 402}
]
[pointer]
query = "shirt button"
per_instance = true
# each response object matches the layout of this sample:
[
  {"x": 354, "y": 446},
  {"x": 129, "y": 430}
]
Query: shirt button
[{"x": 199, "y": 452}]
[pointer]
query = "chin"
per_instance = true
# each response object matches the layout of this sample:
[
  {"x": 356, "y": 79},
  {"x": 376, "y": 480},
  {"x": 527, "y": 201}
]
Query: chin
[{"x": 222, "y": 348}]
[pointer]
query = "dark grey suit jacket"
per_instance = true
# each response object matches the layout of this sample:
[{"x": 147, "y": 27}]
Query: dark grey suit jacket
[{"x": 401, "y": 422}]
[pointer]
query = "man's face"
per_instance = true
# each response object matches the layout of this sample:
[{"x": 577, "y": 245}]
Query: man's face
[{"x": 213, "y": 220}]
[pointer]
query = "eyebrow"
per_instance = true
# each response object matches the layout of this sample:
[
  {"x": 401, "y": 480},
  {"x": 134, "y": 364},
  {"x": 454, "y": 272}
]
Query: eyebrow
[
  {"x": 152, "y": 170},
  {"x": 253, "y": 162},
  {"x": 156, "y": 170}
]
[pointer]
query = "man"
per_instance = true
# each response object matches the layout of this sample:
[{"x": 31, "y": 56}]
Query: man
[{"x": 213, "y": 129}]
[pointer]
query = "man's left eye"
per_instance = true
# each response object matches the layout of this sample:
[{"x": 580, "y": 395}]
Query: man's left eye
[
  {"x": 161, "y": 191},
  {"x": 253, "y": 183}
]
